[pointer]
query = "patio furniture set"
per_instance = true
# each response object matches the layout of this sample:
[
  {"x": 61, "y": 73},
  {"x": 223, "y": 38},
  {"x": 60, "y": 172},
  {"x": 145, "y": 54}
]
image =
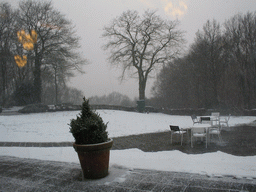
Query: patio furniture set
[{"x": 204, "y": 127}]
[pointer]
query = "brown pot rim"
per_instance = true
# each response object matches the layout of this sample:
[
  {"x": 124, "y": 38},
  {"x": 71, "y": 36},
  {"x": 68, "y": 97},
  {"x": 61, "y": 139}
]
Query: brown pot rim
[{"x": 93, "y": 147}]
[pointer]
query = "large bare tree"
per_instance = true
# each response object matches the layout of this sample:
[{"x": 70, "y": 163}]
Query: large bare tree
[
  {"x": 141, "y": 44},
  {"x": 7, "y": 34},
  {"x": 56, "y": 38}
]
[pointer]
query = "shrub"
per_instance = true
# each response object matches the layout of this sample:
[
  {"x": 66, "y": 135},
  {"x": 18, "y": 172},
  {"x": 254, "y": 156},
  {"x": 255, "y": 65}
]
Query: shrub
[
  {"x": 88, "y": 127},
  {"x": 34, "y": 108}
]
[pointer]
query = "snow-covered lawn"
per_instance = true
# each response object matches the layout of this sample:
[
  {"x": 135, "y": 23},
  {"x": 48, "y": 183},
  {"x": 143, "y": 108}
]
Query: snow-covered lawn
[{"x": 53, "y": 127}]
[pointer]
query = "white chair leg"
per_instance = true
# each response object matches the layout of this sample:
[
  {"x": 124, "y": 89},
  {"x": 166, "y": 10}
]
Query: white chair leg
[
  {"x": 220, "y": 139},
  {"x": 206, "y": 141}
]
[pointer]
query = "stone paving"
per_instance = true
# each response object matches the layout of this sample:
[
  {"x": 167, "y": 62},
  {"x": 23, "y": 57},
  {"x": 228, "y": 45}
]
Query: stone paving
[{"x": 22, "y": 174}]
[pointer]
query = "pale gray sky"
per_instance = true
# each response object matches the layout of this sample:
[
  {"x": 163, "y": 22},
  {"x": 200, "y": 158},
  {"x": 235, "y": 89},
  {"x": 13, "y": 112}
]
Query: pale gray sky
[{"x": 90, "y": 16}]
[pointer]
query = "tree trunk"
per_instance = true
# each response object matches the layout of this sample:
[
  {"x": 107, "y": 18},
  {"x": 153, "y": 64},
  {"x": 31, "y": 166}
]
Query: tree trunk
[
  {"x": 37, "y": 81},
  {"x": 3, "y": 80},
  {"x": 56, "y": 87},
  {"x": 141, "y": 91},
  {"x": 142, "y": 87}
]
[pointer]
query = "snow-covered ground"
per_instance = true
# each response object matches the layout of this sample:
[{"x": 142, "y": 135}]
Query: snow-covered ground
[{"x": 53, "y": 127}]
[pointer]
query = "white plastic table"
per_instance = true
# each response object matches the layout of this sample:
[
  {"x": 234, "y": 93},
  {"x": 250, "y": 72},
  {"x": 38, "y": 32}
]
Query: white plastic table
[{"x": 206, "y": 126}]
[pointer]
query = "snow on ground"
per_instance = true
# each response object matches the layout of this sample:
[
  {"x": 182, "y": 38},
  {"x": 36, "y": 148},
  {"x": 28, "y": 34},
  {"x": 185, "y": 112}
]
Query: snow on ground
[
  {"x": 53, "y": 127},
  {"x": 217, "y": 163}
]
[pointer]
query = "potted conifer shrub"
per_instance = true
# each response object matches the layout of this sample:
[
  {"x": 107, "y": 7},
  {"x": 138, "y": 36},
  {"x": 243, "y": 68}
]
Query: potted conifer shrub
[{"x": 91, "y": 142}]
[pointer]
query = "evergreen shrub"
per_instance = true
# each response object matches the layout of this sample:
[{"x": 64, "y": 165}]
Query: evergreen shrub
[{"x": 88, "y": 127}]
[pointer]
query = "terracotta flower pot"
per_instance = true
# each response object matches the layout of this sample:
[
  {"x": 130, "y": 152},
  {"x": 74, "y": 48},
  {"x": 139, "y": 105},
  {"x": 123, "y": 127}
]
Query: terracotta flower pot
[{"x": 94, "y": 159}]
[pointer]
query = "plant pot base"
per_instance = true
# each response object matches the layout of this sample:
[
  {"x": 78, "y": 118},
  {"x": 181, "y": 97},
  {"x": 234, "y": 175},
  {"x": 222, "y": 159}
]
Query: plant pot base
[{"x": 94, "y": 159}]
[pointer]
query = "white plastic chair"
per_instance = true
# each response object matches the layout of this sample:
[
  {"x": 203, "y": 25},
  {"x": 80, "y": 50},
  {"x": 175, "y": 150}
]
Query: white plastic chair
[
  {"x": 215, "y": 131},
  {"x": 224, "y": 120},
  {"x": 215, "y": 118},
  {"x": 175, "y": 130},
  {"x": 195, "y": 119},
  {"x": 198, "y": 133},
  {"x": 205, "y": 120},
  {"x": 215, "y": 114}
]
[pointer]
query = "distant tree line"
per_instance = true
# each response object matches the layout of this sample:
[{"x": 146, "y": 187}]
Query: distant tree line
[
  {"x": 38, "y": 54},
  {"x": 113, "y": 98},
  {"x": 218, "y": 71}
]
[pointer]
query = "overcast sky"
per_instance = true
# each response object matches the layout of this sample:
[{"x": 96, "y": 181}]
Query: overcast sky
[{"x": 90, "y": 16}]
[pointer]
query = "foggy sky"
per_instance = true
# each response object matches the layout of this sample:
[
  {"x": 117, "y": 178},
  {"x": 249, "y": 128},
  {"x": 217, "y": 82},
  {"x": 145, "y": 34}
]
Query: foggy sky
[{"x": 90, "y": 16}]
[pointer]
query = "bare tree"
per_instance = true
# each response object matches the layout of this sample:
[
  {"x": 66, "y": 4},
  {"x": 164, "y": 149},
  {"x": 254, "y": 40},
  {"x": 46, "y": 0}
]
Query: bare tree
[
  {"x": 55, "y": 39},
  {"x": 206, "y": 54},
  {"x": 141, "y": 44},
  {"x": 7, "y": 28},
  {"x": 240, "y": 34},
  {"x": 219, "y": 70}
]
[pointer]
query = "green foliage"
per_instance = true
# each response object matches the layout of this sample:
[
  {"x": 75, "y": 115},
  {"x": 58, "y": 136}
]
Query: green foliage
[{"x": 88, "y": 127}]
